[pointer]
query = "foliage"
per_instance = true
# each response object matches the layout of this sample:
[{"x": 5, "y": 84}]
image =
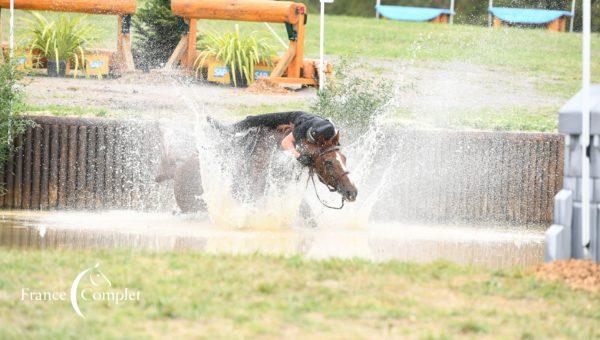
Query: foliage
[
  {"x": 157, "y": 32},
  {"x": 239, "y": 51},
  {"x": 11, "y": 95},
  {"x": 473, "y": 12},
  {"x": 352, "y": 100},
  {"x": 61, "y": 40}
]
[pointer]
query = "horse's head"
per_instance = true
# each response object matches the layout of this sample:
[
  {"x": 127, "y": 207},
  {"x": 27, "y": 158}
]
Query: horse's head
[{"x": 329, "y": 164}]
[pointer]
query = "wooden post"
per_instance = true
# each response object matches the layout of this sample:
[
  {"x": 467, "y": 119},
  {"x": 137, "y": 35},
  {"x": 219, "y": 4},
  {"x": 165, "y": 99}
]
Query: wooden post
[
  {"x": 191, "y": 44},
  {"x": 296, "y": 63},
  {"x": 178, "y": 54}
]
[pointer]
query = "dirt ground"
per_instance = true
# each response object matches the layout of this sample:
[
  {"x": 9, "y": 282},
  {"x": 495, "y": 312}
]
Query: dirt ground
[
  {"x": 582, "y": 274},
  {"x": 432, "y": 88}
]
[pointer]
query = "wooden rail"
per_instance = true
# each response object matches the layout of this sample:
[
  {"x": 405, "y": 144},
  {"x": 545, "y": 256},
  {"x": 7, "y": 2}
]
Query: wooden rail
[{"x": 123, "y": 59}]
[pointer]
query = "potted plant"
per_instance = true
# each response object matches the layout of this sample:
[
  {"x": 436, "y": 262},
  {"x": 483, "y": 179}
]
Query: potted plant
[
  {"x": 61, "y": 42},
  {"x": 240, "y": 52}
]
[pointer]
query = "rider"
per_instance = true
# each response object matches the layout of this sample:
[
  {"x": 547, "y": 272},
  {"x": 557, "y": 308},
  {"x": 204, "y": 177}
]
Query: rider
[{"x": 308, "y": 127}]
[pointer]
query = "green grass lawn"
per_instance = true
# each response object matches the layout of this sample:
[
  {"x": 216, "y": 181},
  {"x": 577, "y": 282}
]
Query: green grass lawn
[{"x": 185, "y": 294}]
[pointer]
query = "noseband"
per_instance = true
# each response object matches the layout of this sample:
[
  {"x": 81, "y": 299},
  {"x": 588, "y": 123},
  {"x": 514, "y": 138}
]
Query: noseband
[{"x": 311, "y": 174}]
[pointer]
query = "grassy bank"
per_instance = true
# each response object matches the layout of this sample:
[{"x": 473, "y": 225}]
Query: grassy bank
[{"x": 197, "y": 295}]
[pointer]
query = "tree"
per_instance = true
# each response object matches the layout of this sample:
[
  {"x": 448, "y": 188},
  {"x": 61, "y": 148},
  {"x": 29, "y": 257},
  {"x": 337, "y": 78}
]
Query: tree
[{"x": 157, "y": 32}]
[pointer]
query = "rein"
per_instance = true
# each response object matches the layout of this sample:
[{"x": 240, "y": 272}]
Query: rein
[{"x": 311, "y": 174}]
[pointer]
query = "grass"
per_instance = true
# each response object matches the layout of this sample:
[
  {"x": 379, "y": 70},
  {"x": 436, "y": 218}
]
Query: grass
[
  {"x": 551, "y": 60},
  {"x": 186, "y": 294},
  {"x": 62, "y": 110},
  {"x": 543, "y": 119}
]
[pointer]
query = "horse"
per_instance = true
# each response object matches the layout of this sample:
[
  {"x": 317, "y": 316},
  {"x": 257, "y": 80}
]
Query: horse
[{"x": 327, "y": 163}]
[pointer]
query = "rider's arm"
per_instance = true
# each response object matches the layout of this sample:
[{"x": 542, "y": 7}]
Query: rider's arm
[{"x": 288, "y": 145}]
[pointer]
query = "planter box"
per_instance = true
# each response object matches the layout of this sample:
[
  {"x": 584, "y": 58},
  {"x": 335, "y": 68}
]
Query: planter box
[
  {"x": 97, "y": 63},
  {"x": 219, "y": 73}
]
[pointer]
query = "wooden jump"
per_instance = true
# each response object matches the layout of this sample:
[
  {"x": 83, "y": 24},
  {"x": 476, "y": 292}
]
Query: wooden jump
[
  {"x": 557, "y": 25},
  {"x": 289, "y": 70},
  {"x": 123, "y": 9}
]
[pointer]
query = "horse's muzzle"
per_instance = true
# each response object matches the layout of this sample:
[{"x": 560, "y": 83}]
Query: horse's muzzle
[{"x": 349, "y": 194}]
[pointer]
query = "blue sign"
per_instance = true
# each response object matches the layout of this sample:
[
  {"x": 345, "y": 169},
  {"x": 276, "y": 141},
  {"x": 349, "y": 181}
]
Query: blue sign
[
  {"x": 96, "y": 64},
  {"x": 220, "y": 71},
  {"x": 261, "y": 74}
]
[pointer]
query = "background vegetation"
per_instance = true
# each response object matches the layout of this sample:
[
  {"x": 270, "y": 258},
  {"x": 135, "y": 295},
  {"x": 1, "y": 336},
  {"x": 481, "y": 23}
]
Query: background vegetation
[
  {"x": 157, "y": 32},
  {"x": 11, "y": 95}
]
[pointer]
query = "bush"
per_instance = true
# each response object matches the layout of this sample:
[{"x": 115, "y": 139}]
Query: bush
[
  {"x": 157, "y": 33},
  {"x": 11, "y": 95},
  {"x": 353, "y": 101}
]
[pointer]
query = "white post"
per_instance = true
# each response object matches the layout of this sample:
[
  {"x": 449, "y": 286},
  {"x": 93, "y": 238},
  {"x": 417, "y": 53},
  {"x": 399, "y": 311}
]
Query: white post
[
  {"x": 322, "y": 45},
  {"x": 585, "y": 124},
  {"x": 451, "y": 12},
  {"x": 376, "y": 11},
  {"x": 11, "y": 39},
  {"x": 572, "y": 16},
  {"x": 490, "y": 6}
]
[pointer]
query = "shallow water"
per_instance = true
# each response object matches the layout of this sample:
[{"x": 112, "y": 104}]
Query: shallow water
[{"x": 490, "y": 246}]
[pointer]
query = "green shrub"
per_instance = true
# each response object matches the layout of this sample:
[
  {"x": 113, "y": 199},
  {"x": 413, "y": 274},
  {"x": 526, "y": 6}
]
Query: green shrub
[
  {"x": 239, "y": 51},
  {"x": 11, "y": 95},
  {"x": 62, "y": 40},
  {"x": 157, "y": 32},
  {"x": 353, "y": 101}
]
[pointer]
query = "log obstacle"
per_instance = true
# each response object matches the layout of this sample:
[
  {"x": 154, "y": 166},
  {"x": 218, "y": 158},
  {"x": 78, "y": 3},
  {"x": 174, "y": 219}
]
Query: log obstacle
[
  {"x": 472, "y": 177},
  {"x": 291, "y": 68},
  {"x": 123, "y": 9},
  {"x": 84, "y": 163}
]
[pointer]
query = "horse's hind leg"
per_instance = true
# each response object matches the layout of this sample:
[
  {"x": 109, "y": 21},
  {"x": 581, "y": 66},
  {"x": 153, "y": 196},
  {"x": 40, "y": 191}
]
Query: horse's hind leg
[{"x": 307, "y": 214}]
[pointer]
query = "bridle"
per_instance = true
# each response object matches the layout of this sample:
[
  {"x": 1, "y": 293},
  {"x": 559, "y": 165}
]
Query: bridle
[{"x": 311, "y": 173}]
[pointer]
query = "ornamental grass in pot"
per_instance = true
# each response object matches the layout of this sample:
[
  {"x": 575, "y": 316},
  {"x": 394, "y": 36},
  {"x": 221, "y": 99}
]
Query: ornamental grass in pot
[
  {"x": 241, "y": 52},
  {"x": 62, "y": 42}
]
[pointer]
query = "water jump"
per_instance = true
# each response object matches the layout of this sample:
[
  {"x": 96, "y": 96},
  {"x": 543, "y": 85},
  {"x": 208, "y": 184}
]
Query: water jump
[{"x": 314, "y": 142}]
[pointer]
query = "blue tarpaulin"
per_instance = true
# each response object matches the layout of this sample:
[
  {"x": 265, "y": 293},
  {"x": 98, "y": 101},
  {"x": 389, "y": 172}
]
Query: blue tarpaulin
[
  {"x": 403, "y": 13},
  {"x": 527, "y": 15}
]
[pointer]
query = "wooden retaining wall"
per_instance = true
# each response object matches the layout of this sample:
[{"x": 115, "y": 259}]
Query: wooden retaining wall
[
  {"x": 83, "y": 163},
  {"x": 443, "y": 176},
  {"x": 437, "y": 176}
]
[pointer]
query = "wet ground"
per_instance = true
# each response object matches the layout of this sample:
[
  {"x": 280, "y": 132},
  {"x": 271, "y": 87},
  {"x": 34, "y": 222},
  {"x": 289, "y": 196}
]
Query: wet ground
[{"x": 490, "y": 246}]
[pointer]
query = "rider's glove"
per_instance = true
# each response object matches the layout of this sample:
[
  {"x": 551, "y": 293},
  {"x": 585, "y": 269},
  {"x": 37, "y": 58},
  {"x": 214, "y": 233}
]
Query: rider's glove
[{"x": 305, "y": 160}]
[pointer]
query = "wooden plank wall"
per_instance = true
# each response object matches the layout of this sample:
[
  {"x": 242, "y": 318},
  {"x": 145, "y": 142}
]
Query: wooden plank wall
[
  {"x": 444, "y": 176},
  {"x": 437, "y": 176},
  {"x": 83, "y": 163}
]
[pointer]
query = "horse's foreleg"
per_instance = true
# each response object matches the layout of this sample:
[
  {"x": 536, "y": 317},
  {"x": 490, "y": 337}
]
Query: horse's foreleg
[
  {"x": 188, "y": 186},
  {"x": 307, "y": 214}
]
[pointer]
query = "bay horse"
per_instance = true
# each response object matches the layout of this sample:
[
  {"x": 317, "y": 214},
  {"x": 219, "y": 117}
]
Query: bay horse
[{"x": 256, "y": 147}]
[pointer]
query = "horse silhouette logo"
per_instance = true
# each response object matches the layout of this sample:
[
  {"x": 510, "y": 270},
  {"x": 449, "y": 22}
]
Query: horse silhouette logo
[{"x": 96, "y": 279}]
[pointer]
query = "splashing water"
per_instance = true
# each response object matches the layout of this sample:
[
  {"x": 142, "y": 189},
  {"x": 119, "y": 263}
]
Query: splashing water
[{"x": 229, "y": 186}]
